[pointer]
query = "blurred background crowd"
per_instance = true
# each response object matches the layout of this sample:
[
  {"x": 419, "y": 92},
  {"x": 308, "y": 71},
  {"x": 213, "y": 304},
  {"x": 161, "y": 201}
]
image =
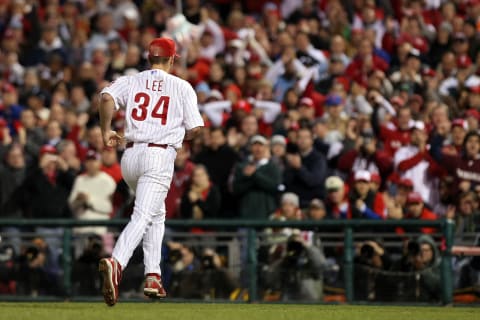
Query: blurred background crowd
[{"x": 340, "y": 109}]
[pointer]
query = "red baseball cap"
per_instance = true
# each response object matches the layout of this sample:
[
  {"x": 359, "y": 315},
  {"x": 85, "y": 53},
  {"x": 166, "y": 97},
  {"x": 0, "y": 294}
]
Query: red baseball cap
[
  {"x": 473, "y": 113},
  {"x": 8, "y": 88},
  {"x": 464, "y": 61},
  {"x": 306, "y": 101},
  {"x": 414, "y": 197},
  {"x": 460, "y": 123},
  {"x": 48, "y": 149},
  {"x": 375, "y": 177},
  {"x": 397, "y": 100},
  {"x": 162, "y": 47},
  {"x": 242, "y": 105},
  {"x": 92, "y": 155},
  {"x": 362, "y": 175},
  {"x": 428, "y": 72},
  {"x": 405, "y": 182}
]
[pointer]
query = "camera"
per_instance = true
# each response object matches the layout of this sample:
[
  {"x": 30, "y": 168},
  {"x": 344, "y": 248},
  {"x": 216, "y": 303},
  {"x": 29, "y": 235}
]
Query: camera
[
  {"x": 207, "y": 262},
  {"x": 292, "y": 148},
  {"x": 367, "y": 251},
  {"x": 295, "y": 256},
  {"x": 174, "y": 256},
  {"x": 413, "y": 248},
  {"x": 31, "y": 253}
]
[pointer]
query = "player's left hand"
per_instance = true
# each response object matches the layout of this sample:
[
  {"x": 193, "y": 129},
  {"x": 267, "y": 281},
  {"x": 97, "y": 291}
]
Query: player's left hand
[{"x": 112, "y": 138}]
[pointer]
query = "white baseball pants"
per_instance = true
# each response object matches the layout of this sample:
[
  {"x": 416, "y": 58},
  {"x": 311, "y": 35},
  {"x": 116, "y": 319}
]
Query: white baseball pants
[{"x": 148, "y": 171}]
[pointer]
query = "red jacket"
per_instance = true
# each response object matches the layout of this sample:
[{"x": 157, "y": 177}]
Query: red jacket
[
  {"x": 394, "y": 138},
  {"x": 425, "y": 215}
]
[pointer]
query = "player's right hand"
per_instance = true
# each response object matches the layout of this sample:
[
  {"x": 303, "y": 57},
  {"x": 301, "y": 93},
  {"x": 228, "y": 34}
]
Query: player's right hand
[{"x": 112, "y": 138}]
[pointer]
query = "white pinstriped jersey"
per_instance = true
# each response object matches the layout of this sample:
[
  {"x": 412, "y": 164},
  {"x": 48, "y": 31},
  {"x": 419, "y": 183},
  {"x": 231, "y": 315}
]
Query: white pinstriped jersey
[{"x": 158, "y": 106}]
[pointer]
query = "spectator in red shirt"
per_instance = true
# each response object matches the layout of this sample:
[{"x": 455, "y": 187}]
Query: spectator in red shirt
[
  {"x": 415, "y": 209},
  {"x": 396, "y": 135}
]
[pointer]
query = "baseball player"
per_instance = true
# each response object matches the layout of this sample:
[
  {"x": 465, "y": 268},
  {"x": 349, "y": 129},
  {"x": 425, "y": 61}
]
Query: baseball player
[{"x": 161, "y": 111}]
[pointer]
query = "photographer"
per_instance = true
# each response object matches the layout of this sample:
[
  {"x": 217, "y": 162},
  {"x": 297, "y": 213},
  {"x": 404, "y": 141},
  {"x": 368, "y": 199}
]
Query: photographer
[
  {"x": 368, "y": 281},
  {"x": 38, "y": 271},
  {"x": 299, "y": 274},
  {"x": 180, "y": 272},
  {"x": 215, "y": 281},
  {"x": 421, "y": 262},
  {"x": 86, "y": 279}
]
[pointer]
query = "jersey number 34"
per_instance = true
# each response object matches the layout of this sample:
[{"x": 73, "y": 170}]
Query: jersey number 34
[{"x": 159, "y": 111}]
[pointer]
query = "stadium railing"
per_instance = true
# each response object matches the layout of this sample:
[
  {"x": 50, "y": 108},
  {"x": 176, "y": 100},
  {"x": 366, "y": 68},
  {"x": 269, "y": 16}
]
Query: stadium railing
[{"x": 252, "y": 226}]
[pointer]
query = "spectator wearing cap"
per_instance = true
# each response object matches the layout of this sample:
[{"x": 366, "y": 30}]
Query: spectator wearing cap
[
  {"x": 416, "y": 209},
  {"x": 278, "y": 149},
  {"x": 366, "y": 156},
  {"x": 364, "y": 203},
  {"x": 465, "y": 167},
  {"x": 256, "y": 182},
  {"x": 415, "y": 162},
  {"x": 316, "y": 210},
  {"x": 453, "y": 146},
  {"x": 306, "y": 109},
  {"x": 289, "y": 208},
  {"x": 10, "y": 110},
  {"x": 92, "y": 193},
  {"x": 336, "y": 203},
  {"x": 335, "y": 118},
  {"x": 473, "y": 119},
  {"x": 219, "y": 159},
  {"x": 375, "y": 182},
  {"x": 306, "y": 169}
]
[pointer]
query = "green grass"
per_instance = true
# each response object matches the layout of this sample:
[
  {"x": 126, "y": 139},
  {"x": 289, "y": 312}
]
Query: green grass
[{"x": 198, "y": 311}]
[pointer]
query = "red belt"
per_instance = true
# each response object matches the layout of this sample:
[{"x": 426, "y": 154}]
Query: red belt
[{"x": 164, "y": 146}]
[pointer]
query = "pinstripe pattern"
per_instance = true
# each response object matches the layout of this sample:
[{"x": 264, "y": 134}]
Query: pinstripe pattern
[
  {"x": 182, "y": 107},
  {"x": 159, "y": 107},
  {"x": 148, "y": 171}
]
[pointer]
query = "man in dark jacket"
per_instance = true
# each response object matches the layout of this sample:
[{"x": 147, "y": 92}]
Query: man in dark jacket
[
  {"x": 256, "y": 182},
  {"x": 12, "y": 197},
  {"x": 306, "y": 169},
  {"x": 47, "y": 188},
  {"x": 219, "y": 159}
]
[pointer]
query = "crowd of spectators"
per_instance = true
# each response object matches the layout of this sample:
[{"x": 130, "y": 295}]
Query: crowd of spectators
[{"x": 358, "y": 108}]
